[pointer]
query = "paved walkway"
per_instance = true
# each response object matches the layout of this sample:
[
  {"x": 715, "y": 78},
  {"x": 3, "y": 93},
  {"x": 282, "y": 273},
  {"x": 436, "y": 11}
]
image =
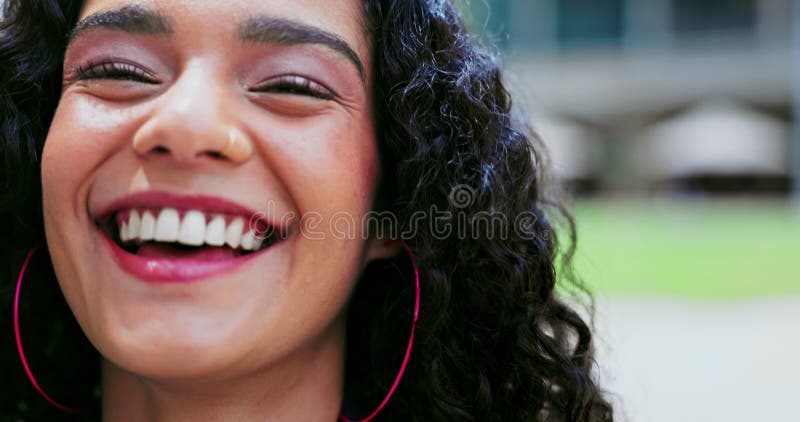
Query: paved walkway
[{"x": 685, "y": 361}]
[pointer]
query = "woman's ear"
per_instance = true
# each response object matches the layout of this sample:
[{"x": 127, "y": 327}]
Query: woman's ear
[{"x": 382, "y": 249}]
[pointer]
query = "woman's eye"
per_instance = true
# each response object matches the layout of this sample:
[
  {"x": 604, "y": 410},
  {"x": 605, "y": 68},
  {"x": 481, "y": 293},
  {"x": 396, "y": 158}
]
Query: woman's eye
[
  {"x": 108, "y": 69},
  {"x": 296, "y": 85}
]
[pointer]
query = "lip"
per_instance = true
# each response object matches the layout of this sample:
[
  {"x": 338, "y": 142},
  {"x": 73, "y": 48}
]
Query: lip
[
  {"x": 159, "y": 199},
  {"x": 178, "y": 269}
]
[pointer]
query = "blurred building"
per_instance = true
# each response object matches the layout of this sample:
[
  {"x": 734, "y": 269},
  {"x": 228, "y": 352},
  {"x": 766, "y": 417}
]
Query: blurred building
[{"x": 620, "y": 73}]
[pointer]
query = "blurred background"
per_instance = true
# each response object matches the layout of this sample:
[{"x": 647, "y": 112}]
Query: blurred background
[{"x": 674, "y": 125}]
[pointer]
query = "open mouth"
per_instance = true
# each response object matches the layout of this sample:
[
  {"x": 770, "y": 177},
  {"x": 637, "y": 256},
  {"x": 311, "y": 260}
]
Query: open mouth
[{"x": 172, "y": 233}]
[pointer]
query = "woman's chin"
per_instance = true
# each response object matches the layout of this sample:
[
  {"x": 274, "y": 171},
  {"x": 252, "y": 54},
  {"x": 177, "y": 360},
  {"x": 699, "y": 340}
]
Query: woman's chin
[
  {"x": 176, "y": 358},
  {"x": 175, "y": 330}
]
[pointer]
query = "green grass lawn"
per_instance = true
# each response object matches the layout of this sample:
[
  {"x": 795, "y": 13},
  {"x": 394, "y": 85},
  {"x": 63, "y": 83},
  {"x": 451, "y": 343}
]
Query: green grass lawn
[{"x": 698, "y": 249}]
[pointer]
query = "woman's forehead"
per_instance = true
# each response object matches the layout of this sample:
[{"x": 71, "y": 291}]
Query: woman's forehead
[{"x": 195, "y": 19}]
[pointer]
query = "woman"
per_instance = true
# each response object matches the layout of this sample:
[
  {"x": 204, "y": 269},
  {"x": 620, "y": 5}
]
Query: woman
[{"x": 235, "y": 198}]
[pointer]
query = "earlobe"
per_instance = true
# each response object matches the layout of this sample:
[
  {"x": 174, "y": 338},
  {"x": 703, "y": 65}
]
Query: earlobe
[{"x": 382, "y": 249}]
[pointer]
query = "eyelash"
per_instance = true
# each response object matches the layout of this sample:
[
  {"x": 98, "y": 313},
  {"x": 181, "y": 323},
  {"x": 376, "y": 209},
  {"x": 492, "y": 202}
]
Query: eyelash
[
  {"x": 109, "y": 69},
  {"x": 293, "y": 84},
  {"x": 115, "y": 70}
]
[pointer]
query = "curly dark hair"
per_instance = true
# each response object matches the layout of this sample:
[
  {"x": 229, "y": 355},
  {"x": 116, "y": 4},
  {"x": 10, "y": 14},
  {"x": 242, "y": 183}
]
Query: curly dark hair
[{"x": 494, "y": 340}]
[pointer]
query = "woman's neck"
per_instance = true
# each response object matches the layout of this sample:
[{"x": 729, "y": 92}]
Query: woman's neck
[{"x": 306, "y": 386}]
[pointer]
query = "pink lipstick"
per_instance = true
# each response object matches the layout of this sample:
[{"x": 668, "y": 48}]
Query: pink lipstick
[{"x": 163, "y": 237}]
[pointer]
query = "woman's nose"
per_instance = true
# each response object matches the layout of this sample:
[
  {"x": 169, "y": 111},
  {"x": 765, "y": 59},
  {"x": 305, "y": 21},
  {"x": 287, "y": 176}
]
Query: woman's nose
[{"x": 192, "y": 123}]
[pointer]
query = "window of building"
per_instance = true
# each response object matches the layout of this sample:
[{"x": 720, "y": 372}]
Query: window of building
[
  {"x": 701, "y": 18},
  {"x": 590, "y": 22}
]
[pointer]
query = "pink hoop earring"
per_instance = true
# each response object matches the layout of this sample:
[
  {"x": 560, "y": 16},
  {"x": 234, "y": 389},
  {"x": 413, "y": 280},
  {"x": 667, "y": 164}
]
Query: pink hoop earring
[
  {"x": 18, "y": 339},
  {"x": 380, "y": 407}
]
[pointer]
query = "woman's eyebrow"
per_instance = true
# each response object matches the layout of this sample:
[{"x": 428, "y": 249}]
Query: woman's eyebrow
[
  {"x": 265, "y": 29},
  {"x": 258, "y": 29},
  {"x": 133, "y": 19}
]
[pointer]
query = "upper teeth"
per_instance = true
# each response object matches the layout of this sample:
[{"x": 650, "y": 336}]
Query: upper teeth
[{"x": 192, "y": 230}]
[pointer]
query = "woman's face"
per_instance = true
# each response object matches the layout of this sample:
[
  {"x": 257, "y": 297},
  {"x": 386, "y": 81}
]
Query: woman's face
[{"x": 152, "y": 95}]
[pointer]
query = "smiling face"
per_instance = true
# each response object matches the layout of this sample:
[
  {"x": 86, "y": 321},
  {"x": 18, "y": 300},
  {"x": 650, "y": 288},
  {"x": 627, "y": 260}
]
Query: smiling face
[{"x": 200, "y": 115}]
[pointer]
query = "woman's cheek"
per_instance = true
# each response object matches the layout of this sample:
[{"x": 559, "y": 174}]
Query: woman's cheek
[
  {"x": 64, "y": 158},
  {"x": 66, "y": 163},
  {"x": 350, "y": 158},
  {"x": 83, "y": 134}
]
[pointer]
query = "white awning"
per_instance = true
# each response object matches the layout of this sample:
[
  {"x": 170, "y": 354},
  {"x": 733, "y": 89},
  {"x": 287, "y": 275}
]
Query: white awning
[
  {"x": 573, "y": 154},
  {"x": 717, "y": 137}
]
